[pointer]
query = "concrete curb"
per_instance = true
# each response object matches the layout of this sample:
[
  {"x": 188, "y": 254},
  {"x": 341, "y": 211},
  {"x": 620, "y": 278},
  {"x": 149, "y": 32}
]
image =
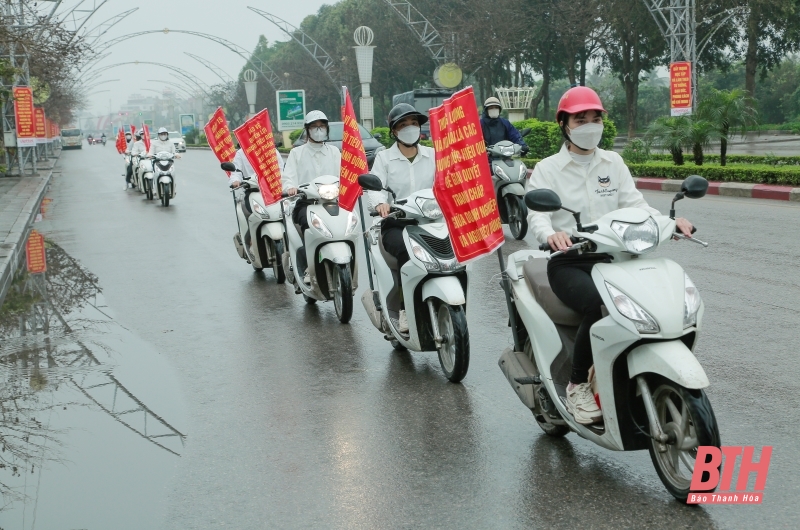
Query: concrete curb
[
  {"x": 727, "y": 189},
  {"x": 13, "y": 248},
  {"x": 196, "y": 148}
]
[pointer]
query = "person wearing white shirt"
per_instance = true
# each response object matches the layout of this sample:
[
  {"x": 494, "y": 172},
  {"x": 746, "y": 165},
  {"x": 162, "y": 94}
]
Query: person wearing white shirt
[
  {"x": 162, "y": 143},
  {"x": 592, "y": 181},
  {"x": 137, "y": 149},
  {"x": 128, "y": 165},
  {"x": 406, "y": 167}
]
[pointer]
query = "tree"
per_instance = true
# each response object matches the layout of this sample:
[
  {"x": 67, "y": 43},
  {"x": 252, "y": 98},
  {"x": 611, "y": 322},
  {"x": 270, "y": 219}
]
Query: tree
[
  {"x": 671, "y": 134},
  {"x": 730, "y": 111}
]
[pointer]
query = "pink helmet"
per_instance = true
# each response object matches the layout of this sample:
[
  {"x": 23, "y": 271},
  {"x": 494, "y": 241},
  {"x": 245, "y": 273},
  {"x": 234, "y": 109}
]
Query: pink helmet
[{"x": 578, "y": 99}]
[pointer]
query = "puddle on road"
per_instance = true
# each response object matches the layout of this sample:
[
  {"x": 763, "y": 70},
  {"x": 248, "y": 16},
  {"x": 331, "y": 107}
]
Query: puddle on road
[{"x": 91, "y": 420}]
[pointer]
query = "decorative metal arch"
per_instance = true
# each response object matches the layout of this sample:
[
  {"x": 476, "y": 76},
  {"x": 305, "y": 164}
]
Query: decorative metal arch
[
  {"x": 320, "y": 56},
  {"x": 428, "y": 35},
  {"x": 193, "y": 80},
  {"x": 260, "y": 66},
  {"x": 185, "y": 91},
  {"x": 102, "y": 28},
  {"x": 219, "y": 72}
]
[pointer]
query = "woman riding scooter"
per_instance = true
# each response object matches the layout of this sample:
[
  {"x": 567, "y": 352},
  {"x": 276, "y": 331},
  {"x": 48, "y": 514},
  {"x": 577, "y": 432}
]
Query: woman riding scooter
[
  {"x": 595, "y": 182},
  {"x": 406, "y": 167}
]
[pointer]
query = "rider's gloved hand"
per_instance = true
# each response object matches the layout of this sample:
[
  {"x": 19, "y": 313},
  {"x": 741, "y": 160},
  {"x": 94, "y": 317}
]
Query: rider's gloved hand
[{"x": 524, "y": 150}]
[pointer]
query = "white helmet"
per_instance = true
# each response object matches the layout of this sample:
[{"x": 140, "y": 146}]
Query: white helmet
[
  {"x": 315, "y": 115},
  {"x": 163, "y": 130}
]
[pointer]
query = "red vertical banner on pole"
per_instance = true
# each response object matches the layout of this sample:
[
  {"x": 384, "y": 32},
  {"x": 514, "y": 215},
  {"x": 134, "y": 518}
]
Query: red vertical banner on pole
[
  {"x": 39, "y": 123},
  {"x": 218, "y": 135},
  {"x": 463, "y": 182},
  {"x": 680, "y": 88},
  {"x": 35, "y": 253},
  {"x": 23, "y": 116},
  {"x": 354, "y": 159},
  {"x": 256, "y": 140},
  {"x": 146, "y": 137}
]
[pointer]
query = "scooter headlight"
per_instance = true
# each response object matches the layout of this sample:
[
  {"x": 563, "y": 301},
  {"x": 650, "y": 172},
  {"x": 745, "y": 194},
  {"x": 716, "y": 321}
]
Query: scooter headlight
[
  {"x": 259, "y": 210},
  {"x": 523, "y": 171},
  {"x": 317, "y": 223},
  {"x": 328, "y": 192},
  {"x": 421, "y": 254},
  {"x": 429, "y": 208},
  {"x": 352, "y": 223},
  {"x": 691, "y": 303},
  {"x": 498, "y": 171},
  {"x": 639, "y": 238},
  {"x": 632, "y": 311},
  {"x": 507, "y": 150}
]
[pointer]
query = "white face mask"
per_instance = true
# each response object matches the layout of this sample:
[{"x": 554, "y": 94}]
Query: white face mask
[
  {"x": 494, "y": 112},
  {"x": 163, "y": 137},
  {"x": 409, "y": 135},
  {"x": 587, "y": 136},
  {"x": 318, "y": 134}
]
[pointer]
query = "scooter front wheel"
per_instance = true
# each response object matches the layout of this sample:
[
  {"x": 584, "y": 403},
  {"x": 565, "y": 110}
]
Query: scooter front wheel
[
  {"x": 277, "y": 265},
  {"x": 165, "y": 193},
  {"x": 517, "y": 216},
  {"x": 687, "y": 418},
  {"x": 148, "y": 189},
  {"x": 454, "y": 347},
  {"x": 343, "y": 292}
]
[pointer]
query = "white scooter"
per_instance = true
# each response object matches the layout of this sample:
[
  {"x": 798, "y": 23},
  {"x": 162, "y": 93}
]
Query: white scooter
[
  {"x": 432, "y": 284},
  {"x": 648, "y": 382},
  {"x": 326, "y": 249},
  {"x": 261, "y": 234},
  {"x": 162, "y": 177},
  {"x": 509, "y": 176}
]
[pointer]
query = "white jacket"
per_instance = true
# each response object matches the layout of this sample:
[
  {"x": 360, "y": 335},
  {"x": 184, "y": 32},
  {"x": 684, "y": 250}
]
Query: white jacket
[
  {"x": 601, "y": 187},
  {"x": 159, "y": 146},
  {"x": 309, "y": 161},
  {"x": 138, "y": 148},
  {"x": 404, "y": 177},
  {"x": 243, "y": 164}
]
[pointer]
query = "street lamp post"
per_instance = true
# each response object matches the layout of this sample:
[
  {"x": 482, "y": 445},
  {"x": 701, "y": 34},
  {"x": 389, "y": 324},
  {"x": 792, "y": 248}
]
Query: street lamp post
[
  {"x": 363, "y": 37},
  {"x": 250, "y": 86}
]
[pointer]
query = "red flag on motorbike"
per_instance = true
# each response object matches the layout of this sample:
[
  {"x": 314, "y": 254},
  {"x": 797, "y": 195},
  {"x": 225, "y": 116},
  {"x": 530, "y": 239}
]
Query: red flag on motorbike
[
  {"x": 219, "y": 138},
  {"x": 146, "y": 137},
  {"x": 463, "y": 182},
  {"x": 121, "y": 144},
  {"x": 354, "y": 159},
  {"x": 256, "y": 140}
]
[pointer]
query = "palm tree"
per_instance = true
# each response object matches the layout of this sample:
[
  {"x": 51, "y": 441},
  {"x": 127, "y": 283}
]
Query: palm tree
[
  {"x": 671, "y": 134},
  {"x": 701, "y": 134},
  {"x": 729, "y": 111}
]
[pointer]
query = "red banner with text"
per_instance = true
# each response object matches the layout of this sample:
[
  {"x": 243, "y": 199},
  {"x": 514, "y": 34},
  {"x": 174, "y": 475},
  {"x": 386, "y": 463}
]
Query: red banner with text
[
  {"x": 680, "y": 88},
  {"x": 256, "y": 140},
  {"x": 39, "y": 124},
  {"x": 218, "y": 135},
  {"x": 354, "y": 159},
  {"x": 463, "y": 183},
  {"x": 23, "y": 115},
  {"x": 35, "y": 253}
]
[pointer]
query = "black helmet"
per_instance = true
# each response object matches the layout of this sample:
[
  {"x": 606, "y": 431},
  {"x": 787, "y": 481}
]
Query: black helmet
[{"x": 404, "y": 110}]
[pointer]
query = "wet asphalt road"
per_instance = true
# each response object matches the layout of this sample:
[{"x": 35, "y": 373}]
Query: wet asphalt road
[{"x": 293, "y": 420}]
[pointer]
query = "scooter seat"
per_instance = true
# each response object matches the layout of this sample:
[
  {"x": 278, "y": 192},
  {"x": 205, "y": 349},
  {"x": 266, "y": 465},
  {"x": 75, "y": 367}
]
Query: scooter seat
[{"x": 535, "y": 272}]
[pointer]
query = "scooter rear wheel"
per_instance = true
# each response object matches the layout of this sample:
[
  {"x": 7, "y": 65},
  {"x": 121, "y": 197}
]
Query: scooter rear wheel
[
  {"x": 454, "y": 350},
  {"x": 517, "y": 216},
  {"x": 687, "y": 417},
  {"x": 550, "y": 429}
]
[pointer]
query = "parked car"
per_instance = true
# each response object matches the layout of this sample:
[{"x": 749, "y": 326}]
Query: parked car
[
  {"x": 177, "y": 139},
  {"x": 371, "y": 144}
]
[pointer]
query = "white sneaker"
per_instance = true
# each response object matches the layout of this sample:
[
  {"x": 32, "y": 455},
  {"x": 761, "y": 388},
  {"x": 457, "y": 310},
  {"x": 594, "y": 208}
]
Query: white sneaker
[
  {"x": 125, "y": 186},
  {"x": 402, "y": 324},
  {"x": 306, "y": 278},
  {"x": 581, "y": 404},
  {"x": 130, "y": 186}
]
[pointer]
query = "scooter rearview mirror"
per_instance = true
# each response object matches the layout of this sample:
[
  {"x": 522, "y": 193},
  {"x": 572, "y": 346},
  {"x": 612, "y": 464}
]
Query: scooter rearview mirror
[
  {"x": 543, "y": 201},
  {"x": 694, "y": 187},
  {"x": 525, "y": 132},
  {"x": 370, "y": 182},
  {"x": 228, "y": 166}
]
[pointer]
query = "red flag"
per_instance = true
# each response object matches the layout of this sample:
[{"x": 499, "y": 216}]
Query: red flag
[
  {"x": 219, "y": 137},
  {"x": 354, "y": 159},
  {"x": 463, "y": 183},
  {"x": 146, "y": 137},
  {"x": 121, "y": 144},
  {"x": 133, "y": 130},
  {"x": 255, "y": 139}
]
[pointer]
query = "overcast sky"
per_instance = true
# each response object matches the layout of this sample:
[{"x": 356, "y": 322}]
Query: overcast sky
[{"x": 229, "y": 19}]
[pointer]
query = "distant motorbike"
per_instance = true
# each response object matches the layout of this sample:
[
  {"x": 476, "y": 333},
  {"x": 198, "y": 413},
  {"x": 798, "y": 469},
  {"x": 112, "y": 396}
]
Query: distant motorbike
[
  {"x": 103, "y": 140},
  {"x": 509, "y": 176},
  {"x": 326, "y": 250},
  {"x": 261, "y": 233}
]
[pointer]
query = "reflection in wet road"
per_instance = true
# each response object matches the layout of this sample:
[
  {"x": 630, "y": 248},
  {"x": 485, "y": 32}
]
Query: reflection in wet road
[{"x": 294, "y": 420}]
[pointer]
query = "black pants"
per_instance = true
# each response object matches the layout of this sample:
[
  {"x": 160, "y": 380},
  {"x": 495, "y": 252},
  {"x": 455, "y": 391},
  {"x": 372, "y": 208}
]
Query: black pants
[
  {"x": 571, "y": 281},
  {"x": 299, "y": 215},
  {"x": 392, "y": 236},
  {"x": 129, "y": 173}
]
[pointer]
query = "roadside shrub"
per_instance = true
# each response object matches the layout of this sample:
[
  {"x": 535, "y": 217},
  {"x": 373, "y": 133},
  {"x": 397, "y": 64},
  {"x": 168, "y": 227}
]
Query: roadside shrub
[
  {"x": 637, "y": 151},
  {"x": 768, "y": 159},
  {"x": 294, "y": 135},
  {"x": 755, "y": 174},
  {"x": 191, "y": 136},
  {"x": 385, "y": 139}
]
